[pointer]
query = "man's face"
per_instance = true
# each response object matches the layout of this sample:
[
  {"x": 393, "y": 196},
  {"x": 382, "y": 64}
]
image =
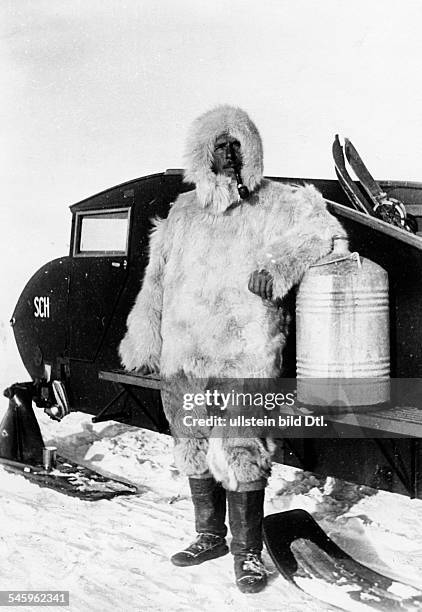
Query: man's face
[{"x": 226, "y": 155}]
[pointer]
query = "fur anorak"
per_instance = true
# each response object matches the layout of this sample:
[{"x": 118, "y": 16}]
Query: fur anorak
[{"x": 194, "y": 315}]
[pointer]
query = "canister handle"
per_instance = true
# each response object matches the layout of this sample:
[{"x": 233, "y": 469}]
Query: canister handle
[{"x": 341, "y": 248}]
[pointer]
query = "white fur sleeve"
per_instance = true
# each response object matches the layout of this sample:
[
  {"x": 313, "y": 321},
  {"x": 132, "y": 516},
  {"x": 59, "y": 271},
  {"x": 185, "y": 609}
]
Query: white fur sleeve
[
  {"x": 141, "y": 346},
  {"x": 307, "y": 236}
]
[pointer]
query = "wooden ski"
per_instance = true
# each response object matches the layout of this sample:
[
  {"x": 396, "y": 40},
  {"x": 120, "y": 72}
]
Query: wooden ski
[
  {"x": 350, "y": 188},
  {"x": 306, "y": 556},
  {"x": 71, "y": 479}
]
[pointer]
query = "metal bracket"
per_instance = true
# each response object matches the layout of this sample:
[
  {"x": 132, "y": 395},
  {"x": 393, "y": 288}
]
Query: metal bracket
[
  {"x": 105, "y": 415},
  {"x": 144, "y": 409}
]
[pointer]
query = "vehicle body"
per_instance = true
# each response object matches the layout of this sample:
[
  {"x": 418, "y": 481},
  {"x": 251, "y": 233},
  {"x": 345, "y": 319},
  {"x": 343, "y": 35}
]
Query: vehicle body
[{"x": 72, "y": 315}]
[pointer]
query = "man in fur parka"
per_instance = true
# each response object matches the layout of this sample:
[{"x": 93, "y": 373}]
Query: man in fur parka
[{"x": 209, "y": 307}]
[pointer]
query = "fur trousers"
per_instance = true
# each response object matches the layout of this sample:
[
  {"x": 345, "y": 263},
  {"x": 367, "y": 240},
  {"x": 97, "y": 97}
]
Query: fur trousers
[{"x": 238, "y": 457}]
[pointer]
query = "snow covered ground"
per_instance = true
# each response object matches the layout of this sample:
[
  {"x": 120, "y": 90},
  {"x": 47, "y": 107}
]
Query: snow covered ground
[{"x": 114, "y": 555}]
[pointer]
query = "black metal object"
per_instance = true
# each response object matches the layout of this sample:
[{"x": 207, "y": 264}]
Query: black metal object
[
  {"x": 128, "y": 383},
  {"x": 388, "y": 464},
  {"x": 20, "y": 434},
  {"x": 125, "y": 414},
  {"x": 105, "y": 415},
  {"x": 40, "y": 318},
  {"x": 157, "y": 423}
]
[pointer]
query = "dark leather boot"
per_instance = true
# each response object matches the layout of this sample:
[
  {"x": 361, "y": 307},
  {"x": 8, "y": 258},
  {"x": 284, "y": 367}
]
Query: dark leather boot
[
  {"x": 246, "y": 511},
  {"x": 209, "y": 502}
]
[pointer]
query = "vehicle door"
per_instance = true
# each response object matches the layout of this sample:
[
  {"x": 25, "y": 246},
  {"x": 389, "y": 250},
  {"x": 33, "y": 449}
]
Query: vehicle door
[{"x": 99, "y": 273}]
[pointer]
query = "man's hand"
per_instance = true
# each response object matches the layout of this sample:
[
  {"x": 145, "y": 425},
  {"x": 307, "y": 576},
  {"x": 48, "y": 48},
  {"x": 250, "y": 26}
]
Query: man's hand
[{"x": 261, "y": 283}]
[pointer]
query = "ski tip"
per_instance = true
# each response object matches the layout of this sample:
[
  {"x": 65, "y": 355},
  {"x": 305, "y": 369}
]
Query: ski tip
[
  {"x": 343, "y": 141},
  {"x": 337, "y": 148},
  {"x": 306, "y": 556},
  {"x": 340, "y": 141},
  {"x": 349, "y": 148}
]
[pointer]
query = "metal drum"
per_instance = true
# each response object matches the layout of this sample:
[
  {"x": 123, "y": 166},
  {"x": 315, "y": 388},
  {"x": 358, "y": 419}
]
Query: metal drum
[{"x": 342, "y": 320}]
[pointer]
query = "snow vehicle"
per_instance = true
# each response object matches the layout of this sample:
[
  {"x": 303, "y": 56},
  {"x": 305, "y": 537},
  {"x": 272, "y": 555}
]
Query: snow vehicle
[{"x": 71, "y": 316}]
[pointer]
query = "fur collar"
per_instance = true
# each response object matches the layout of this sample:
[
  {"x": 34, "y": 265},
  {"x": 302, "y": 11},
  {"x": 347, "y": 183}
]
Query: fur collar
[{"x": 218, "y": 192}]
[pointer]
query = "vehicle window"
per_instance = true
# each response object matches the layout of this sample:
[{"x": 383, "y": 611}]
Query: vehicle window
[{"x": 102, "y": 232}]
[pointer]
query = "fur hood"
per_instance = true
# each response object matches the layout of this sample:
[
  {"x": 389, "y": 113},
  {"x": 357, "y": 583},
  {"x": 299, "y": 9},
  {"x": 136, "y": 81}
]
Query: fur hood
[{"x": 218, "y": 192}]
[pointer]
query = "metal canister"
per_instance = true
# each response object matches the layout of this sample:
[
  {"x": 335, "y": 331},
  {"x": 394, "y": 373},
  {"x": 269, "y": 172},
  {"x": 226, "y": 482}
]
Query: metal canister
[
  {"x": 49, "y": 455},
  {"x": 343, "y": 330}
]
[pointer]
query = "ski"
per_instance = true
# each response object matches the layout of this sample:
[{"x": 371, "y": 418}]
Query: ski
[
  {"x": 350, "y": 188},
  {"x": 388, "y": 209},
  {"x": 22, "y": 451},
  {"x": 366, "y": 179},
  {"x": 307, "y": 557},
  {"x": 71, "y": 479}
]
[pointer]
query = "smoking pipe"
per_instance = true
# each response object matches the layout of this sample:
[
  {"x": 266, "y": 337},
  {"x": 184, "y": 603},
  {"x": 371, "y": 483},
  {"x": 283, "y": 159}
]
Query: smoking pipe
[{"x": 241, "y": 188}]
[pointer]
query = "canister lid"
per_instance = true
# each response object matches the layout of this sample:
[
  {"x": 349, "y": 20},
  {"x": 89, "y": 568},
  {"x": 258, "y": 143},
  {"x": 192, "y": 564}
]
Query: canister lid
[{"x": 340, "y": 245}]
